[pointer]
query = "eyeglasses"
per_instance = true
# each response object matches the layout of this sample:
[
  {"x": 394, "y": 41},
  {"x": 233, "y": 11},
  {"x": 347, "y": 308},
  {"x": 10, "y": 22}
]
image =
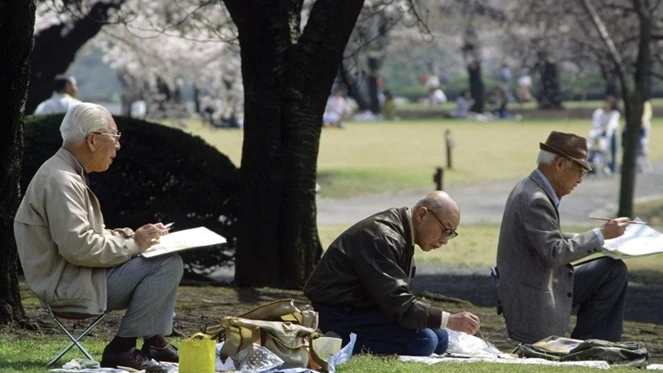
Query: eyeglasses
[
  {"x": 451, "y": 233},
  {"x": 583, "y": 171},
  {"x": 115, "y": 136}
]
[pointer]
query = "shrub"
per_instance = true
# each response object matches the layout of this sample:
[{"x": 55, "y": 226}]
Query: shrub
[{"x": 160, "y": 174}]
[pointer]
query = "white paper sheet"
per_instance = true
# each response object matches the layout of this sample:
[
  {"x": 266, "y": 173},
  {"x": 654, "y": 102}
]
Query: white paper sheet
[
  {"x": 638, "y": 240},
  {"x": 184, "y": 240}
]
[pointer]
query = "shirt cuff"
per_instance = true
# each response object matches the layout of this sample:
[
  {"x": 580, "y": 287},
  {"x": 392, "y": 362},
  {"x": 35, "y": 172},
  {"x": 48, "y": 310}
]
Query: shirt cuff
[
  {"x": 445, "y": 320},
  {"x": 599, "y": 235}
]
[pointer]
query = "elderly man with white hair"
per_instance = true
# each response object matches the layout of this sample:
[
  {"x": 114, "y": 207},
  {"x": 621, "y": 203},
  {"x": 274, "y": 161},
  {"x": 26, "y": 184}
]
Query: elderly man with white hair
[
  {"x": 538, "y": 283},
  {"x": 74, "y": 263}
]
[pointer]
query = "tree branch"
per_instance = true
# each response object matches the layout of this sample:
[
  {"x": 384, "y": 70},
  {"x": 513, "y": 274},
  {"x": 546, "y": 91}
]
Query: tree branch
[{"x": 603, "y": 32}]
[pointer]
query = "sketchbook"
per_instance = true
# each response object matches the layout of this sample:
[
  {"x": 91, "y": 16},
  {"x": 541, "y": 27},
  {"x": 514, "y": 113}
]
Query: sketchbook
[
  {"x": 558, "y": 344},
  {"x": 184, "y": 240},
  {"x": 637, "y": 240}
]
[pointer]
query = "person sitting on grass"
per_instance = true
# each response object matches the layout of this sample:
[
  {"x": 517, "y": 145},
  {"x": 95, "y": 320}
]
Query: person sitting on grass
[
  {"x": 537, "y": 284},
  {"x": 361, "y": 284},
  {"x": 74, "y": 264},
  {"x": 337, "y": 110}
]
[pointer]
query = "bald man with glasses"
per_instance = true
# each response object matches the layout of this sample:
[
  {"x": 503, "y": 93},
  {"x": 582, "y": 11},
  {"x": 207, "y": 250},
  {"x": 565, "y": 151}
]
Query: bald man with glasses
[{"x": 361, "y": 284}]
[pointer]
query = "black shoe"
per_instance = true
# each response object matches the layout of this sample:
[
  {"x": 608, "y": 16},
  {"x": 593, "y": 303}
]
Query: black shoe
[
  {"x": 168, "y": 353},
  {"x": 133, "y": 358}
]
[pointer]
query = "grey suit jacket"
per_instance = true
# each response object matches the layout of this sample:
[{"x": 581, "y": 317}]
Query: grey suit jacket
[{"x": 535, "y": 285}]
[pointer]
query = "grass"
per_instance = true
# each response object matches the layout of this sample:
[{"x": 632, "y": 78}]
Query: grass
[
  {"x": 589, "y": 104},
  {"x": 385, "y": 157},
  {"x": 13, "y": 359}
]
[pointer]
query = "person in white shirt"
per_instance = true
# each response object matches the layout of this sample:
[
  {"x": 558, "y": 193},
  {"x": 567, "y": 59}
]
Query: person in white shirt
[
  {"x": 337, "y": 110},
  {"x": 64, "y": 96},
  {"x": 605, "y": 122}
]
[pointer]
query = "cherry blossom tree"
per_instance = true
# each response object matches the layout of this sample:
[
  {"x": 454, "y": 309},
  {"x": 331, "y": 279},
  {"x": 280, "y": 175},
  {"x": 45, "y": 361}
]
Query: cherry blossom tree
[
  {"x": 290, "y": 51},
  {"x": 628, "y": 33},
  {"x": 61, "y": 29}
]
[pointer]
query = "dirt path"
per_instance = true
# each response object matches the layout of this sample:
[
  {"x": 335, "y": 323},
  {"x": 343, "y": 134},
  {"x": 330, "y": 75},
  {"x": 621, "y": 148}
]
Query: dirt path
[{"x": 485, "y": 202}]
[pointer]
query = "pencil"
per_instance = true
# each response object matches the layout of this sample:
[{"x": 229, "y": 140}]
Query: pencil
[{"x": 630, "y": 221}]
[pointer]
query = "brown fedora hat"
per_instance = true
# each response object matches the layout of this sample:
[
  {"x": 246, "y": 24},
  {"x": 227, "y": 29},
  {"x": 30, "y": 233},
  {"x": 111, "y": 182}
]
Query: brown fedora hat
[{"x": 567, "y": 145}]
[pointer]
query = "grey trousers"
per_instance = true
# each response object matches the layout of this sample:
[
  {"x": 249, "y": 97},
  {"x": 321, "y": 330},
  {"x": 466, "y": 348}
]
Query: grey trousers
[
  {"x": 147, "y": 289},
  {"x": 598, "y": 294}
]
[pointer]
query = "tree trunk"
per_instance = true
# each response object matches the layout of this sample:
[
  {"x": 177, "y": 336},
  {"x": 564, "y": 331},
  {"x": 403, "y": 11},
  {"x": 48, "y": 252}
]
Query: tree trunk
[
  {"x": 472, "y": 57},
  {"x": 17, "y": 19},
  {"x": 476, "y": 87},
  {"x": 352, "y": 85},
  {"x": 611, "y": 80},
  {"x": 633, "y": 108},
  {"x": 287, "y": 78},
  {"x": 551, "y": 95},
  {"x": 55, "y": 49},
  {"x": 373, "y": 92}
]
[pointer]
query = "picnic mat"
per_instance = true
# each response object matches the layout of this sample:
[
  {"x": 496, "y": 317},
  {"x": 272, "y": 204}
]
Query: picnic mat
[{"x": 505, "y": 359}]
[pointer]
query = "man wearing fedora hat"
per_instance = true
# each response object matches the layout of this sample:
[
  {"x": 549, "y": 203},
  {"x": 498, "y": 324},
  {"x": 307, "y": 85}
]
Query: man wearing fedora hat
[{"x": 537, "y": 286}]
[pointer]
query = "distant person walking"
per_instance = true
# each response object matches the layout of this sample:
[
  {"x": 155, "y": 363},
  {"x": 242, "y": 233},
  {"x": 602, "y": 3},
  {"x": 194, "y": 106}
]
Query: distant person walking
[{"x": 64, "y": 95}]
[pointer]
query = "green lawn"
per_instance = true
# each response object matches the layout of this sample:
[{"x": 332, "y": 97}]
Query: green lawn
[
  {"x": 383, "y": 157},
  {"x": 589, "y": 104}
]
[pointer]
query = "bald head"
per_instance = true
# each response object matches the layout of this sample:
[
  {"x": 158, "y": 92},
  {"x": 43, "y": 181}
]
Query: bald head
[
  {"x": 435, "y": 219},
  {"x": 440, "y": 202}
]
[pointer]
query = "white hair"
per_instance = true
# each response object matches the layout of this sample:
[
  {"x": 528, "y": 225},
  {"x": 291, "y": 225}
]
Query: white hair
[
  {"x": 546, "y": 157},
  {"x": 83, "y": 119}
]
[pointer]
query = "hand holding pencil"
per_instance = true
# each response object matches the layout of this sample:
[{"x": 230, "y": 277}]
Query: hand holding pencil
[
  {"x": 613, "y": 228},
  {"x": 630, "y": 221}
]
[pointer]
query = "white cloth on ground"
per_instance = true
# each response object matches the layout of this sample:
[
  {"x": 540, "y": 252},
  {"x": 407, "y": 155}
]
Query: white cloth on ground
[{"x": 435, "y": 359}]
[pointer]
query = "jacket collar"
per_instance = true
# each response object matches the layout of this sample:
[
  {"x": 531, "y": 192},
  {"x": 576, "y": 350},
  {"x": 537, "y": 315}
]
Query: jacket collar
[
  {"x": 543, "y": 183},
  {"x": 72, "y": 162},
  {"x": 408, "y": 228}
]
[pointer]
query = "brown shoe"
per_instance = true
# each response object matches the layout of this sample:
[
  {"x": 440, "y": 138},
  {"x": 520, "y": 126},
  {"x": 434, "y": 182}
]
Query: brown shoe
[
  {"x": 168, "y": 353},
  {"x": 133, "y": 358}
]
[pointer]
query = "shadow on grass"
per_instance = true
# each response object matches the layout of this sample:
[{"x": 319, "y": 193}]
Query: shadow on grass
[
  {"x": 644, "y": 295},
  {"x": 26, "y": 364}
]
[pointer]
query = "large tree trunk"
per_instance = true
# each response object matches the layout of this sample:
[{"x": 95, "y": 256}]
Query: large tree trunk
[
  {"x": 55, "y": 49},
  {"x": 287, "y": 78},
  {"x": 353, "y": 88},
  {"x": 17, "y": 19},
  {"x": 551, "y": 94},
  {"x": 472, "y": 56},
  {"x": 611, "y": 80},
  {"x": 476, "y": 87},
  {"x": 633, "y": 109}
]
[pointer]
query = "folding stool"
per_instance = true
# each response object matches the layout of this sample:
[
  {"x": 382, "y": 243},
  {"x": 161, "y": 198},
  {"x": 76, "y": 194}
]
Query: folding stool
[{"x": 74, "y": 340}]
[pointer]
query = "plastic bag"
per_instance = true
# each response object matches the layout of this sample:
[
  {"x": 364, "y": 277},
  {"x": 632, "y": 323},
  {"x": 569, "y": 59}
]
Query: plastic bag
[{"x": 468, "y": 345}]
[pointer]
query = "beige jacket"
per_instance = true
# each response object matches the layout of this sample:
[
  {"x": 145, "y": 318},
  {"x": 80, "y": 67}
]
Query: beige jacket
[{"x": 62, "y": 243}]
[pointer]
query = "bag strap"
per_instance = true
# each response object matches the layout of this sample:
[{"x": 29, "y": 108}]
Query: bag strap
[
  {"x": 314, "y": 357},
  {"x": 200, "y": 336}
]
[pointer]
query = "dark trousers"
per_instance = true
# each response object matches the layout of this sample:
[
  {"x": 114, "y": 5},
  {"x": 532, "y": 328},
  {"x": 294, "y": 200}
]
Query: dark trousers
[
  {"x": 378, "y": 335},
  {"x": 613, "y": 153},
  {"x": 598, "y": 293}
]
